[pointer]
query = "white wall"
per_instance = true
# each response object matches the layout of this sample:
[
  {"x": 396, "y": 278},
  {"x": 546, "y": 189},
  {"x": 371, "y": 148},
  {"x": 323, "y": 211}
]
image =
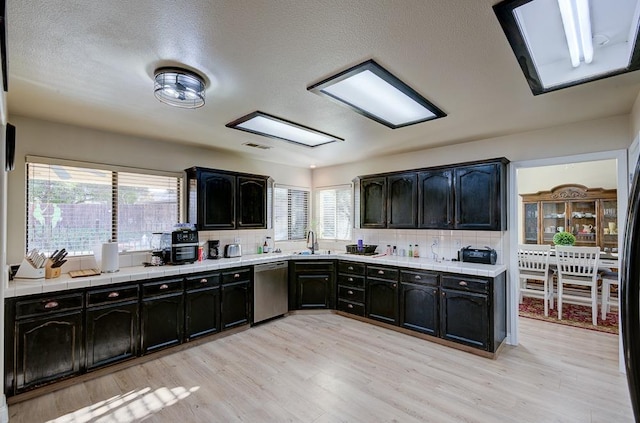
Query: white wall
[
  {"x": 41, "y": 138},
  {"x": 583, "y": 137},
  {"x": 594, "y": 174}
]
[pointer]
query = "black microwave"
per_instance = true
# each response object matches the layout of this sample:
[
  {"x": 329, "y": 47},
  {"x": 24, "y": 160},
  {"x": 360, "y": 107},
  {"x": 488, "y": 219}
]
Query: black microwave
[{"x": 180, "y": 246}]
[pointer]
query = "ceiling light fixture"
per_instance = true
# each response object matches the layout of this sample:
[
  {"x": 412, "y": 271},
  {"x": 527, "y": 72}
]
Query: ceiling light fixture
[
  {"x": 179, "y": 87},
  {"x": 260, "y": 123},
  {"x": 374, "y": 92},
  {"x": 579, "y": 38},
  {"x": 562, "y": 43}
]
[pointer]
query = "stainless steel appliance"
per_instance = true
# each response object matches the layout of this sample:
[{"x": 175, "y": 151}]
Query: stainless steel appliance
[
  {"x": 180, "y": 246},
  {"x": 270, "y": 291},
  {"x": 232, "y": 250}
]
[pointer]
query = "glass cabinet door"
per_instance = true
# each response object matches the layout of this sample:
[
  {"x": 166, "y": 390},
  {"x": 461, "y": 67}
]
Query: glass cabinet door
[
  {"x": 583, "y": 222},
  {"x": 531, "y": 223},
  {"x": 609, "y": 225},
  {"x": 553, "y": 220}
]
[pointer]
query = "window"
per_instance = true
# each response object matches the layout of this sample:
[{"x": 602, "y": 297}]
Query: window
[
  {"x": 78, "y": 206},
  {"x": 333, "y": 211},
  {"x": 291, "y": 213}
]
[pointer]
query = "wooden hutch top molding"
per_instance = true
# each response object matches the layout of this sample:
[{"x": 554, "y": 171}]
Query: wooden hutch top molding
[{"x": 568, "y": 192}]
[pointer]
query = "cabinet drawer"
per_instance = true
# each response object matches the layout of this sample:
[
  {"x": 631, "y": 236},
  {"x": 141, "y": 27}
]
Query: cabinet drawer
[
  {"x": 205, "y": 280},
  {"x": 162, "y": 287},
  {"x": 236, "y": 275},
  {"x": 313, "y": 266},
  {"x": 355, "y": 281},
  {"x": 351, "y": 294},
  {"x": 351, "y": 267},
  {"x": 382, "y": 273},
  {"x": 466, "y": 283},
  {"x": 349, "y": 307},
  {"x": 426, "y": 278},
  {"x": 52, "y": 304},
  {"x": 112, "y": 295}
]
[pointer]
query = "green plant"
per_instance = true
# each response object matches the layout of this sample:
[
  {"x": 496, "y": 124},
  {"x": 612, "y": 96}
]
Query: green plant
[{"x": 564, "y": 238}]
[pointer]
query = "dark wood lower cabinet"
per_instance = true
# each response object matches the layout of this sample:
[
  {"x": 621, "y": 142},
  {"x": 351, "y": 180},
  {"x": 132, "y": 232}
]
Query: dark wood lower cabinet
[
  {"x": 419, "y": 307},
  {"x": 312, "y": 285},
  {"x": 162, "y": 322},
  {"x": 465, "y": 318},
  {"x": 112, "y": 333},
  {"x": 202, "y": 305},
  {"x": 382, "y": 300},
  {"x": 235, "y": 303}
]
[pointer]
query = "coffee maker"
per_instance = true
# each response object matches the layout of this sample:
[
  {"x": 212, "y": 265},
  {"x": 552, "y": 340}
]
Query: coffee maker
[{"x": 213, "y": 249}]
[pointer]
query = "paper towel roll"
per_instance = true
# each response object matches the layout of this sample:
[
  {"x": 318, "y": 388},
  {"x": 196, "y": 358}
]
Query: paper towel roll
[{"x": 110, "y": 261}]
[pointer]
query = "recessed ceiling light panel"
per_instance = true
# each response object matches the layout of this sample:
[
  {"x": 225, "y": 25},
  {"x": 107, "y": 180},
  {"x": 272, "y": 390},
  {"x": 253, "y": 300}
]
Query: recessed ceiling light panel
[
  {"x": 561, "y": 43},
  {"x": 374, "y": 92},
  {"x": 273, "y": 127}
]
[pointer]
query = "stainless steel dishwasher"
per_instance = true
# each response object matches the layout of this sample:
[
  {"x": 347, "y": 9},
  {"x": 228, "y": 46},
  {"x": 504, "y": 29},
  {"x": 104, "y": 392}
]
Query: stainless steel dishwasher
[{"x": 270, "y": 291}]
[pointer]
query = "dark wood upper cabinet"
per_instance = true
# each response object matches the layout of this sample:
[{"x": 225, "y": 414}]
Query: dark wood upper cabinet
[
  {"x": 373, "y": 196},
  {"x": 435, "y": 199},
  {"x": 226, "y": 200},
  {"x": 479, "y": 197},
  {"x": 468, "y": 196},
  {"x": 252, "y": 205},
  {"x": 402, "y": 200}
]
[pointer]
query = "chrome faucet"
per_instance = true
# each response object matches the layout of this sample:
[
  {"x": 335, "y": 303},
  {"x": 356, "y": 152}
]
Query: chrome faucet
[{"x": 311, "y": 241}]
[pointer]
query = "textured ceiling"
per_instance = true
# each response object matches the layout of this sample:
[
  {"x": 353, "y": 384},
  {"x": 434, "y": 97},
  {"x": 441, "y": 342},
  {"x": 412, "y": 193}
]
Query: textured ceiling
[{"x": 90, "y": 63}]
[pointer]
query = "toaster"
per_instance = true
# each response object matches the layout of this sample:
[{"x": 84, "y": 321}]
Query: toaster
[{"x": 232, "y": 250}]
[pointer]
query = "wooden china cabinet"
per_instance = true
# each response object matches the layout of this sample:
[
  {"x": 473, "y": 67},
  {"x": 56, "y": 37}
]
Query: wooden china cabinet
[{"x": 591, "y": 214}]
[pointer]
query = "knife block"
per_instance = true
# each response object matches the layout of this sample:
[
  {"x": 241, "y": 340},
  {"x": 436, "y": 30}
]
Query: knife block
[
  {"x": 27, "y": 271},
  {"x": 51, "y": 272}
]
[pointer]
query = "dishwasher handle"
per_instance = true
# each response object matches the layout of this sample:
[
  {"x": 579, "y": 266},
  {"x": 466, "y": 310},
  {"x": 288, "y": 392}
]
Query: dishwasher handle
[{"x": 269, "y": 266}]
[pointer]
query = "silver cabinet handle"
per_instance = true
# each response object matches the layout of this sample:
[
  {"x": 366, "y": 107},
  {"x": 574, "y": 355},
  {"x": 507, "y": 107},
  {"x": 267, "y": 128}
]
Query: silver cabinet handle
[
  {"x": 350, "y": 279},
  {"x": 237, "y": 275},
  {"x": 51, "y": 304},
  {"x": 380, "y": 272},
  {"x": 113, "y": 295},
  {"x": 462, "y": 283},
  {"x": 164, "y": 286},
  {"x": 204, "y": 280},
  {"x": 350, "y": 267},
  {"x": 350, "y": 292},
  {"x": 418, "y": 277}
]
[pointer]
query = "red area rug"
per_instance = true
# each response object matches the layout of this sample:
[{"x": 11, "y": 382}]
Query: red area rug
[{"x": 572, "y": 315}]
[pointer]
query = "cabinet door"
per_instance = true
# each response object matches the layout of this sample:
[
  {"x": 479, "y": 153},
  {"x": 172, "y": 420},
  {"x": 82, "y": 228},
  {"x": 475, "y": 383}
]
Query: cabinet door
[
  {"x": 382, "y": 300},
  {"x": 464, "y": 318},
  {"x": 609, "y": 225},
  {"x": 162, "y": 322},
  {"x": 252, "y": 202},
  {"x": 477, "y": 196},
  {"x": 313, "y": 290},
  {"x": 235, "y": 304},
  {"x": 202, "y": 312},
  {"x": 48, "y": 348},
  {"x": 435, "y": 199},
  {"x": 112, "y": 334},
  {"x": 373, "y": 202},
  {"x": 583, "y": 222},
  {"x": 402, "y": 199},
  {"x": 216, "y": 202},
  {"x": 530, "y": 226},
  {"x": 419, "y": 308}
]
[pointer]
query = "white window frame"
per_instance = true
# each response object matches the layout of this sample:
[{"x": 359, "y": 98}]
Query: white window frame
[
  {"x": 319, "y": 214},
  {"x": 276, "y": 217},
  {"x": 115, "y": 170}
]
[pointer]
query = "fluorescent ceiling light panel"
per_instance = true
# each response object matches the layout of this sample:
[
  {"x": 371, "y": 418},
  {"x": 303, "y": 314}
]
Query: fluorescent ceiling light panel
[
  {"x": 372, "y": 91},
  {"x": 561, "y": 43},
  {"x": 260, "y": 123}
]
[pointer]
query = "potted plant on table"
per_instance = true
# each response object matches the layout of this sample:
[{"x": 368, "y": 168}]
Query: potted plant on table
[{"x": 564, "y": 238}]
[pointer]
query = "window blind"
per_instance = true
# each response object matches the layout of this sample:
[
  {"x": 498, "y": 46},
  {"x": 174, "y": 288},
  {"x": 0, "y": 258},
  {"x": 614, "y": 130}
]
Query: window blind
[
  {"x": 291, "y": 213},
  {"x": 334, "y": 212},
  {"x": 78, "y": 208}
]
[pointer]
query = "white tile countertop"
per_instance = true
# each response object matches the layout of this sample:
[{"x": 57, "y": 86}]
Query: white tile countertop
[{"x": 23, "y": 287}]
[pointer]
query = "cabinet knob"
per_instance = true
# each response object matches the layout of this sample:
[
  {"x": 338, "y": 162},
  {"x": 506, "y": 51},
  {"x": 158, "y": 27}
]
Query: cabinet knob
[
  {"x": 113, "y": 294},
  {"x": 51, "y": 304},
  {"x": 204, "y": 280},
  {"x": 395, "y": 285},
  {"x": 380, "y": 272},
  {"x": 350, "y": 292},
  {"x": 418, "y": 277},
  {"x": 350, "y": 305},
  {"x": 326, "y": 279},
  {"x": 237, "y": 275},
  {"x": 350, "y": 267},
  {"x": 350, "y": 279},
  {"x": 462, "y": 283},
  {"x": 435, "y": 291},
  {"x": 164, "y": 286}
]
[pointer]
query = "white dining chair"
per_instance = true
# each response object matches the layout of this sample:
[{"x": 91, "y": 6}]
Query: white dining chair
[
  {"x": 533, "y": 265},
  {"x": 578, "y": 266},
  {"x": 608, "y": 278}
]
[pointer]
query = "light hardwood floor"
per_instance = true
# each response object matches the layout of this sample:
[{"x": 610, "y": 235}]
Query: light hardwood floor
[{"x": 329, "y": 368}]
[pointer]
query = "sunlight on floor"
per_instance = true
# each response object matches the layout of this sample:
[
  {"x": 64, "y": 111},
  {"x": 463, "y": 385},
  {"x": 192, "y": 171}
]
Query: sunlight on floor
[{"x": 129, "y": 407}]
